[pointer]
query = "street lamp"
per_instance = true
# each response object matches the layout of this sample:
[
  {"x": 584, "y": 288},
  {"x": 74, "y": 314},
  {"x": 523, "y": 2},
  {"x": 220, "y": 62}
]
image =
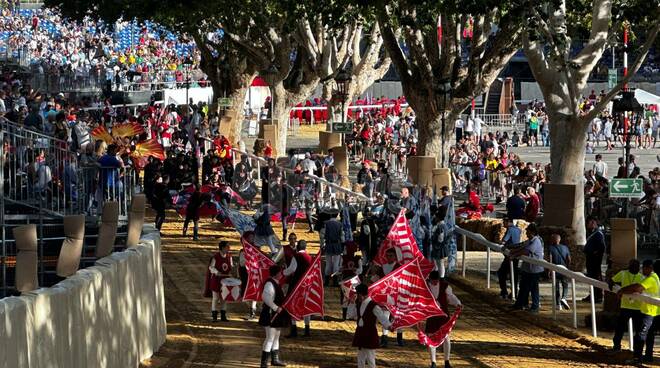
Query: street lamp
[
  {"x": 624, "y": 104},
  {"x": 444, "y": 89},
  {"x": 343, "y": 80}
]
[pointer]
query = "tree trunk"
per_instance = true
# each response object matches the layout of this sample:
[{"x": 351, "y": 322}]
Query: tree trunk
[
  {"x": 568, "y": 137},
  {"x": 280, "y": 114},
  {"x": 434, "y": 136},
  {"x": 241, "y": 86}
]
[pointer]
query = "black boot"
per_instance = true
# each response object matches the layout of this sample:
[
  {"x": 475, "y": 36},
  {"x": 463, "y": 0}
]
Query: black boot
[
  {"x": 264, "y": 359},
  {"x": 214, "y": 316},
  {"x": 223, "y": 316},
  {"x": 433, "y": 365},
  {"x": 383, "y": 341},
  {"x": 399, "y": 338},
  {"x": 343, "y": 313},
  {"x": 293, "y": 332},
  {"x": 275, "y": 359},
  {"x": 306, "y": 331},
  {"x": 447, "y": 365},
  {"x": 326, "y": 280}
]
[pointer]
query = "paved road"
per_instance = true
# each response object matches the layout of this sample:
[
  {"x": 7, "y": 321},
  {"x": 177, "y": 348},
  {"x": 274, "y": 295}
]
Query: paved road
[{"x": 484, "y": 337}]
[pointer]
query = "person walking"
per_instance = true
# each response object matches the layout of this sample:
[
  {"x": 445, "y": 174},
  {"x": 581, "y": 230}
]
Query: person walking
[
  {"x": 273, "y": 318},
  {"x": 529, "y": 273},
  {"x": 332, "y": 240},
  {"x": 629, "y": 308},
  {"x": 192, "y": 212},
  {"x": 560, "y": 255}
]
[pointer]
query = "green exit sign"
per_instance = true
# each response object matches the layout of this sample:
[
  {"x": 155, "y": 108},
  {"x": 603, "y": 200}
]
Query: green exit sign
[
  {"x": 626, "y": 188},
  {"x": 342, "y": 128}
]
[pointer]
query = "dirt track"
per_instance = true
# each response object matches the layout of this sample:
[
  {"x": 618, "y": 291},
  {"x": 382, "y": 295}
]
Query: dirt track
[{"x": 483, "y": 337}]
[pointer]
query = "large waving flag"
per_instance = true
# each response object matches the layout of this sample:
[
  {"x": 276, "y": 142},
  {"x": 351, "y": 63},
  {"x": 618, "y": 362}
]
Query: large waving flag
[
  {"x": 307, "y": 297},
  {"x": 241, "y": 222},
  {"x": 257, "y": 265},
  {"x": 401, "y": 238},
  {"x": 438, "y": 338},
  {"x": 406, "y": 295}
]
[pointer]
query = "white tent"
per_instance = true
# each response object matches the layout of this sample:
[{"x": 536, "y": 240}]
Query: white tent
[{"x": 646, "y": 98}]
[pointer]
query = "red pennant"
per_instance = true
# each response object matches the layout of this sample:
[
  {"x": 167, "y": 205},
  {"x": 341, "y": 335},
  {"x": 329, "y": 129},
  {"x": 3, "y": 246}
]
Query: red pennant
[
  {"x": 438, "y": 338},
  {"x": 406, "y": 295},
  {"x": 257, "y": 265},
  {"x": 307, "y": 297}
]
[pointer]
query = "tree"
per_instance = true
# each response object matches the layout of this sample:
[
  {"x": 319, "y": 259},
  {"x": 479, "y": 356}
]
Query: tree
[
  {"x": 562, "y": 77},
  {"x": 427, "y": 67}
]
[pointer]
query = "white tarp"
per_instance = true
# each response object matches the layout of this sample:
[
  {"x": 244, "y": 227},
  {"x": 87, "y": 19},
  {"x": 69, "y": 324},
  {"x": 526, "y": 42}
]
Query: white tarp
[{"x": 109, "y": 315}]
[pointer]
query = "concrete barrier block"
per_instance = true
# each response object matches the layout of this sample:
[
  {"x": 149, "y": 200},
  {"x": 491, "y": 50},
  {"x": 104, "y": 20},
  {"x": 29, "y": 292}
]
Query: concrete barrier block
[
  {"x": 69, "y": 259},
  {"x": 108, "y": 229}
]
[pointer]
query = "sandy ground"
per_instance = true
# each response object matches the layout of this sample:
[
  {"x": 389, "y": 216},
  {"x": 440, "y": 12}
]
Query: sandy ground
[{"x": 485, "y": 336}]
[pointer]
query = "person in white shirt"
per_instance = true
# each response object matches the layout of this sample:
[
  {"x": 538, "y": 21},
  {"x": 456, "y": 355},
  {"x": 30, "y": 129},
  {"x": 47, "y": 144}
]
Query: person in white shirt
[
  {"x": 273, "y": 318},
  {"x": 600, "y": 167},
  {"x": 443, "y": 293},
  {"x": 459, "y": 129},
  {"x": 469, "y": 128},
  {"x": 478, "y": 123}
]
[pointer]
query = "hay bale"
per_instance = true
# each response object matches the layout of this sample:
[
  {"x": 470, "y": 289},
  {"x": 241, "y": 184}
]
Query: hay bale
[{"x": 491, "y": 229}]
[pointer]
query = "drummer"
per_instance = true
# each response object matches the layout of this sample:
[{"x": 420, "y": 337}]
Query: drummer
[{"x": 220, "y": 267}]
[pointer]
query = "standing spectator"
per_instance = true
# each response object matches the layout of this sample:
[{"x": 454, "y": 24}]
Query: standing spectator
[
  {"x": 529, "y": 273},
  {"x": 192, "y": 212},
  {"x": 600, "y": 166},
  {"x": 594, "y": 250},
  {"x": 649, "y": 285},
  {"x": 511, "y": 237},
  {"x": 560, "y": 255},
  {"x": 515, "y": 205},
  {"x": 629, "y": 307},
  {"x": 533, "y": 206}
]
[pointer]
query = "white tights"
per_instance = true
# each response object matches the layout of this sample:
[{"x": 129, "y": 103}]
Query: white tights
[
  {"x": 440, "y": 263},
  {"x": 214, "y": 302},
  {"x": 446, "y": 347},
  {"x": 272, "y": 341},
  {"x": 366, "y": 358}
]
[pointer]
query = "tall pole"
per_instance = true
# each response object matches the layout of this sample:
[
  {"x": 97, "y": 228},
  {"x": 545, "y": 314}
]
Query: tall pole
[{"x": 626, "y": 122}]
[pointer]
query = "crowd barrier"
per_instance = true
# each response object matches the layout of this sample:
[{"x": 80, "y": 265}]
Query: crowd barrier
[
  {"x": 554, "y": 270},
  {"x": 108, "y": 315}
]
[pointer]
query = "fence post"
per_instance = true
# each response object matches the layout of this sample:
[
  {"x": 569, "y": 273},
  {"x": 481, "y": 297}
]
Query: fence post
[
  {"x": 488, "y": 268},
  {"x": 630, "y": 333},
  {"x": 574, "y": 303},
  {"x": 554, "y": 294},
  {"x": 512, "y": 269},
  {"x": 463, "y": 265},
  {"x": 593, "y": 311}
]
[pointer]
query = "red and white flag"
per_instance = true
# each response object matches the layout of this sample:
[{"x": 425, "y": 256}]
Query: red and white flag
[
  {"x": 257, "y": 265},
  {"x": 406, "y": 295},
  {"x": 402, "y": 240},
  {"x": 307, "y": 297},
  {"x": 438, "y": 338},
  {"x": 440, "y": 35},
  {"x": 348, "y": 288}
]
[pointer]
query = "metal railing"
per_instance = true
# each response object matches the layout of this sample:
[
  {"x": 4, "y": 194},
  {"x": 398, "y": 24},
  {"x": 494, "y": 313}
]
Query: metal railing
[
  {"x": 554, "y": 270},
  {"x": 40, "y": 172}
]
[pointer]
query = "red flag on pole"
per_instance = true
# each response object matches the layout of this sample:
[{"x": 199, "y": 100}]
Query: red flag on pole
[
  {"x": 307, "y": 297},
  {"x": 402, "y": 240},
  {"x": 406, "y": 295},
  {"x": 257, "y": 265},
  {"x": 437, "y": 338},
  {"x": 348, "y": 287},
  {"x": 440, "y": 35}
]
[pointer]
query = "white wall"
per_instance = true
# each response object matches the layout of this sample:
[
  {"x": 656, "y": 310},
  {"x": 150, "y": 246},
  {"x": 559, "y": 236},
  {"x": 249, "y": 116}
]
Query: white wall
[
  {"x": 531, "y": 90},
  {"x": 109, "y": 315}
]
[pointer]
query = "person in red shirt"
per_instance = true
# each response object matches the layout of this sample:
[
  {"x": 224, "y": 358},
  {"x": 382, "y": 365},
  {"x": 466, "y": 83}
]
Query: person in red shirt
[
  {"x": 351, "y": 266},
  {"x": 220, "y": 267},
  {"x": 533, "y": 205},
  {"x": 299, "y": 263},
  {"x": 366, "y": 331}
]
